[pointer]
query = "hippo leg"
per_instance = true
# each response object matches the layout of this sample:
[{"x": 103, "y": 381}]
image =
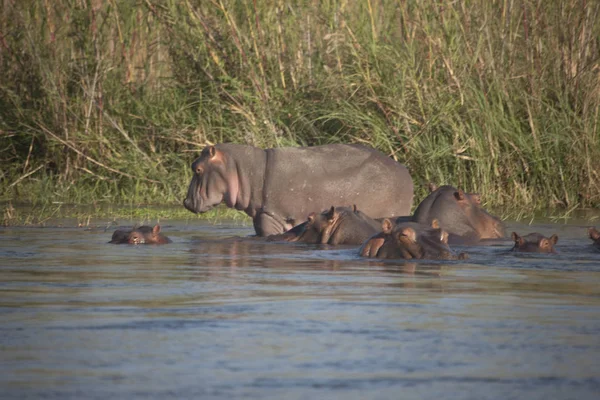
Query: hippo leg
[
  {"x": 371, "y": 248},
  {"x": 266, "y": 223}
]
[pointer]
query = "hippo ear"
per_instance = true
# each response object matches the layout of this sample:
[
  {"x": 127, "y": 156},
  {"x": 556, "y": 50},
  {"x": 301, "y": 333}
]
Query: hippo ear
[
  {"x": 386, "y": 225},
  {"x": 435, "y": 224},
  {"x": 331, "y": 213},
  {"x": 594, "y": 234},
  {"x": 311, "y": 217},
  {"x": 544, "y": 243},
  {"x": 432, "y": 187},
  {"x": 443, "y": 236},
  {"x": 517, "y": 239},
  {"x": 212, "y": 151},
  {"x": 476, "y": 198},
  {"x": 553, "y": 239},
  {"x": 354, "y": 208},
  {"x": 156, "y": 230},
  {"x": 459, "y": 195}
]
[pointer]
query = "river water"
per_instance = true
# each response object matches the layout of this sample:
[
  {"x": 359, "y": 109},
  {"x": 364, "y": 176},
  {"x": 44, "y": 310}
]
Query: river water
[{"x": 208, "y": 316}]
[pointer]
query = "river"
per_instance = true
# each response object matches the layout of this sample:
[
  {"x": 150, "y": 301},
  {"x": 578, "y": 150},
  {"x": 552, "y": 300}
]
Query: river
[{"x": 212, "y": 316}]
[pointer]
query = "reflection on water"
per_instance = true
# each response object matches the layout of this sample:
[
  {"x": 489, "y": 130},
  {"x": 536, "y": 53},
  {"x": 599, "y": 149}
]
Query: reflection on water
[{"x": 215, "y": 316}]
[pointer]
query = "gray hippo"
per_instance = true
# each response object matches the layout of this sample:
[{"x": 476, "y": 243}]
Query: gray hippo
[
  {"x": 141, "y": 235},
  {"x": 338, "y": 225},
  {"x": 410, "y": 240},
  {"x": 460, "y": 214},
  {"x": 534, "y": 243},
  {"x": 279, "y": 187}
]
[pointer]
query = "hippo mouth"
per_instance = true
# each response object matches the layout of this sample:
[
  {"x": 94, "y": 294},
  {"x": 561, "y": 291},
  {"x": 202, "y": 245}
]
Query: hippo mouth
[{"x": 196, "y": 206}]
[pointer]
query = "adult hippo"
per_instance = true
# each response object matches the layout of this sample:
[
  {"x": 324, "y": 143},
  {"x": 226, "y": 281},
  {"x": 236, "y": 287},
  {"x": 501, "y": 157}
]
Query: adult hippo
[
  {"x": 460, "y": 214},
  {"x": 279, "y": 187}
]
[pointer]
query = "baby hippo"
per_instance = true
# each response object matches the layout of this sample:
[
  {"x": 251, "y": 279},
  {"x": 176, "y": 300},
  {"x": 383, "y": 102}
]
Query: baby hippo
[
  {"x": 410, "y": 241},
  {"x": 338, "y": 225},
  {"x": 140, "y": 235},
  {"x": 534, "y": 243},
  {"x": 595, "y": 236}
]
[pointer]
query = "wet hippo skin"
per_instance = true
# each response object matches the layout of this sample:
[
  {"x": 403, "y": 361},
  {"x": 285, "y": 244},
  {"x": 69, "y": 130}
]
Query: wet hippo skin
[
  {"x": 595, "y": 236},
  {"x": 338, "y": 225},
  {"x": 460, "y": 214},
  {"x": 279, "y": 187},
  {"x": 410, "y": 240},
  {"x": 534, "y": 243},
  {"x": 141, "y": 235}
]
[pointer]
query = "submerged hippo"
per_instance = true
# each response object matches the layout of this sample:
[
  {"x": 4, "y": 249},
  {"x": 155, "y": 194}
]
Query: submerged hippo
[
  {"x": 534, "y": 243},
  {"x": 338, "y": 225},
  {"x": 460, "y": 214},
  {"x": 410, "y": 240},
  {"x": 140, "y": 235},
  {"x": 595, "y": 236},
  {"x": 371, "y": 247},
  {"x": 279, "y": 187}
]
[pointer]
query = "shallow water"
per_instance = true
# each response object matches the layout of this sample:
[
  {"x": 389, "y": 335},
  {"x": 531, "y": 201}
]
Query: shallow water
[{"x": 213, "y": 317}]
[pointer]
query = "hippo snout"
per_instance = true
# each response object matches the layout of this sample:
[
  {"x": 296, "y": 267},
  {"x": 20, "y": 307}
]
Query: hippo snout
[{"x": 189, "y": 205}]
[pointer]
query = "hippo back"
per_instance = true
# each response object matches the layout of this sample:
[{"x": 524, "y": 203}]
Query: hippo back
[{"x": 309, "y": 179}]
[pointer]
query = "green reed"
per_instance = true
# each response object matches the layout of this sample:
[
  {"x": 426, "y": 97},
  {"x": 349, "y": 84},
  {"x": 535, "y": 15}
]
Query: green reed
[{"x": 109, "y": 101}]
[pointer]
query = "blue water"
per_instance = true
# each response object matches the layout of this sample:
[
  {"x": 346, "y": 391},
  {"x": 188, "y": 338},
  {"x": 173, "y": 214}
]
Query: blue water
[{"x": 209, "y": 316}]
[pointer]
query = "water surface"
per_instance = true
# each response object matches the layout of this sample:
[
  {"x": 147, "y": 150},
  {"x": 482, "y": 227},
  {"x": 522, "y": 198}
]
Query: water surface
[{"x": 209, "y": 316}]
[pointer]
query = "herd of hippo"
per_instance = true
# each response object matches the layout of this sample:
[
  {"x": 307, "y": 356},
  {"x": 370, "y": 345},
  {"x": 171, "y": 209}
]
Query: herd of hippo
[{"x": 296, "y": 195}]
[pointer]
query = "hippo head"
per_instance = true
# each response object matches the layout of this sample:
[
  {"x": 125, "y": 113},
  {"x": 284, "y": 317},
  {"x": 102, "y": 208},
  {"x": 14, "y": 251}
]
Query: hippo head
[
  {"x": 595, "y": 236},
  {"x": 534, "y": 243},
  {"x": 143, "y": 236},
  {"x": 460, "y": 214},
  {"x": 406, "y": 245},
  {"x": 485, "y": 224},
  {"x": 320, "y": 227},
  {"x": 430, "y": 244},
  {"x": 312, "y": 230},
  {"x": 215, "y": 179},
  {"x": 321, "y": 224}
]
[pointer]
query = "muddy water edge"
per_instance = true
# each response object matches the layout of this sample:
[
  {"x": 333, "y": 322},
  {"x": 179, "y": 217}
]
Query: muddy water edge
[{"x": 215, "y": 316}]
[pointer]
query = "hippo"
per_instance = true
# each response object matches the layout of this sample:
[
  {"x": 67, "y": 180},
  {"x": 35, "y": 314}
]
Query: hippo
[
  {"x": 534, "y": 243},
  {"x": 371, "y": 247},
  {"x": 595, "y": 236},
  {"x": 140, "y": 235},
  {"x": 410, "y": 240},
  {"x": 460, "y": 214},
  {"x": 338, "y": 225},
  {"x": 279, "y": 187}
]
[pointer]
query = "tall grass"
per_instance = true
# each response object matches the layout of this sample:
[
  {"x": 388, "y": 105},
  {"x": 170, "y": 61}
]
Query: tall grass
[{"x": 108, "y": 101}]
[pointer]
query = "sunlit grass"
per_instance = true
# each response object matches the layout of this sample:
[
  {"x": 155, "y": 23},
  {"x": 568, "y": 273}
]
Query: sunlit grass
[{"x": 108, "y": 103}]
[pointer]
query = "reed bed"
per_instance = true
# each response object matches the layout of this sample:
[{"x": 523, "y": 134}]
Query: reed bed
[{"x": 107, "y": 101}]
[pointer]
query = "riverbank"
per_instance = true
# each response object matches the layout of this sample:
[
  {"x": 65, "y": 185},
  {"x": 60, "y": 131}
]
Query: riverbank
[{"x": 106, "y": 215}]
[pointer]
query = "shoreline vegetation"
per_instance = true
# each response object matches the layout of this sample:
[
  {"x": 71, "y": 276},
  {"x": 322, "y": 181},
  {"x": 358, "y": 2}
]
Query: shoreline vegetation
[
  {"x": 106, "y": 103},
  {"x": 107, "y": 215}
]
